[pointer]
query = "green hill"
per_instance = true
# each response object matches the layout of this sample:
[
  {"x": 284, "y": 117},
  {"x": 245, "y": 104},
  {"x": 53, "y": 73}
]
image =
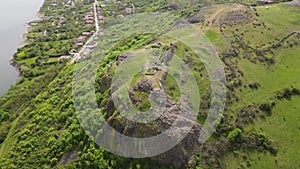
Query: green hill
[{"x": 257, "y": 44}]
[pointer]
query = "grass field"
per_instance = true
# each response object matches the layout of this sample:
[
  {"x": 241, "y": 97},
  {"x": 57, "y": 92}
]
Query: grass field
[
  {"x": 282, "y": 75},
  {"x": 44, "y": 127},
  {"x": 283, "y": 127}
]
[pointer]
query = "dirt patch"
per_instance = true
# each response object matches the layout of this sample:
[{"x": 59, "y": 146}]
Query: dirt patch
[
  {"x": 294, "y": 3},
  {"x": 225, "y": 14},
  {"x": 235, "y": 17}
]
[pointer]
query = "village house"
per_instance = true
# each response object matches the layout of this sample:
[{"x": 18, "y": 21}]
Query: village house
[
  {"x": 81, "y": 39},
  {"x": 86, "y": 17},
  {"x": 89, "y": 21},
  {"x": 100, "y": 18},
  {"x": 266, "y": 1},
  {"x": 72, "y": 51},
  {"x": 64, "y": 58},
  {"x": 79, "y": 44},
  {"x": 89, "y": 18},
  {"x": 91, "y": 45},
  {"x": 87, "y": 34}
]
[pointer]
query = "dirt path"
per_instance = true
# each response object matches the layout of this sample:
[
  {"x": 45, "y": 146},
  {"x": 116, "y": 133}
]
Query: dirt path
[
  {"x": 213, "y": 17},
  {"x": 221, "y": 10}
]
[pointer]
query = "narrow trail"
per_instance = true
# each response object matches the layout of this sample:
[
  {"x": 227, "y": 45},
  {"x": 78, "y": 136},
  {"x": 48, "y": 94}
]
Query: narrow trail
[{"x": 9, "y": 135}]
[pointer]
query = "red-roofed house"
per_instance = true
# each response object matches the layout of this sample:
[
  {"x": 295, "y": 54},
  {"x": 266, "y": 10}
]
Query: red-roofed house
[
  {"x": 81, "y": 39},
  {"x": 79, "y": 44},
  {"x": 72, "y": 51},
  {"x": 86, "y": 33},
  {"x": 91, "y": 44},
  {"x": 266, "y": 1},
  {"x": 89, "y": 21},
  {"x": 100, "y": 17},
  {"x": 64, "y": 58}
]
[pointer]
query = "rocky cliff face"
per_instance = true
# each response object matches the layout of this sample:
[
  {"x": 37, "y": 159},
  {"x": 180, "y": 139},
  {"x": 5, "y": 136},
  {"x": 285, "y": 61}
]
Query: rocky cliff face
[{"x": 174, "y": 114}]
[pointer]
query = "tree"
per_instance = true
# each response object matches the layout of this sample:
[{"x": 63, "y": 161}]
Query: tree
[
  {"x": 4, "y": 116},
  {"x": 266, "y": 108}
]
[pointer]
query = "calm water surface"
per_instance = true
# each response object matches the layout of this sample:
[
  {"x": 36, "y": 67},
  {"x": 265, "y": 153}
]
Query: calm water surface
[{"x": 14, "y": 14}]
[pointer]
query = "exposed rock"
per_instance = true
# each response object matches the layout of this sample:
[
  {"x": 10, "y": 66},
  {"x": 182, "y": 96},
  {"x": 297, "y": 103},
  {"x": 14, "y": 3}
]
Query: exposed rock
[
  {"x": 173, "y": 115},
  {"x": 183, "y": 152},
  {"x": 294, "y": 3},
  {"x": 143, "y": 86},
  {"x": 156, "y": 45},
  {"x": 125, "y": 56},
  {"x": 105, "y": 83}
]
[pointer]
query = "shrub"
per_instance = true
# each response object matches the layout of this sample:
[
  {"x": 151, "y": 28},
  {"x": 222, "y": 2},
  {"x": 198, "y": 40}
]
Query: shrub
[
  {"x": 267, "y": 108},
  {"x": 4, "y": 116},
  {"x": 234, "y": 134}
]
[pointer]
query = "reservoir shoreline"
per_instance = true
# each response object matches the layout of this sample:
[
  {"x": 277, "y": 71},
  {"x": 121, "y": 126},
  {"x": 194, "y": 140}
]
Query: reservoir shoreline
[{"x": 13, "y": 35}]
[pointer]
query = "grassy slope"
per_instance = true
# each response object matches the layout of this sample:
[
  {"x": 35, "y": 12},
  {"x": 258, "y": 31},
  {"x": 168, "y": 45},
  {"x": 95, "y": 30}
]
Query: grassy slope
[
  {"x": 274, "y": 79},
  {"x": 283, "y": 126},
  {"x": 279, "y": 76}
]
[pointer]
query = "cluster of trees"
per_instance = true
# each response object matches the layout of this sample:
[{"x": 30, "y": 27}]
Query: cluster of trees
[
  {"x": 4, "y": 116},
  {"x": 48, "y": 129},
  {"x": 288, "y": 93},
  {"x": 234, "y": 134}
]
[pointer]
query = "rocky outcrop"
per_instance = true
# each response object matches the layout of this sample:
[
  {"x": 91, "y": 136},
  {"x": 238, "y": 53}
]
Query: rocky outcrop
[
  {"x": 294, "y": 3},
  {"x": 174, "y": 114},
  {"x": 143, "y": 86},
  {"x": 179, "y": 117}
]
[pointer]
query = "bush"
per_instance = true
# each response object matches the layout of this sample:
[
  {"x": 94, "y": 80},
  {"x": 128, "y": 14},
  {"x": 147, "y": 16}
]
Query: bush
[
  {"x": 266, "y": 108},
  {"x": 4, "y": 128},
  {"x": 234, "y": 134},
  {"x": 4, "y": 116}
]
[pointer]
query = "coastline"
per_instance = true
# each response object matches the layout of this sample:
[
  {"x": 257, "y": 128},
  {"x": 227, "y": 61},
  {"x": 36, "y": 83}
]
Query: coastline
[
  {"x": 24, "y": 35},
  {"x": 14, "y": 36},
  {"x": 23, "y": 38},
  {"x": 27, "y": 27}
]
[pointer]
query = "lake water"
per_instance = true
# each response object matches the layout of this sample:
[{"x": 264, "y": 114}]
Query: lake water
[{"x": 14, "y": 14}]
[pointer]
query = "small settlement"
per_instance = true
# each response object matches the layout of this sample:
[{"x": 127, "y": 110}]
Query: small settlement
[
  {"x": 266, "y": 1},
  {"x": 85, "y": 44},
  {"x": 82, "y": 41}
]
